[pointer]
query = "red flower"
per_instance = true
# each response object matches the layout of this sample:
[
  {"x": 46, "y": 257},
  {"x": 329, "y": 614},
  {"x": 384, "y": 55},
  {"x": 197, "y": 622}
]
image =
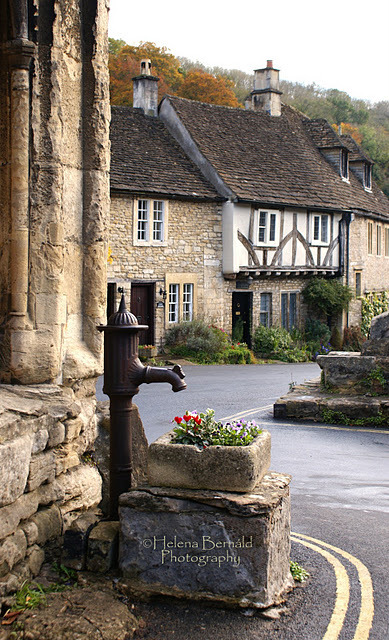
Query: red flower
[
  {"x": 197, "y": 419},
  {"x": 187, "y": 418},
  {"x": 178, "y": 420}
]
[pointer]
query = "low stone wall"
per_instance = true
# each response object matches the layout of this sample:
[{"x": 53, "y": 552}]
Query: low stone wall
[{"x": 44, "y": 481}]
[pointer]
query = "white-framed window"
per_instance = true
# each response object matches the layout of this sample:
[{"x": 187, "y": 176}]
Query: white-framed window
[
  {"x": 386, "y": 242},
  {"x": 379, "y": 239},
  {"x": 289, "y": 310},
  {"x": 150, "y": 221},
  {"x": 344, "y": 164},
  {"x": 267, "y": 227},
  {"x": 369, "y": 238},
  {"x": 173, "y": 302},
  {"x": 367, "y": 176},
  {"x": 265, "y": 310},
  {"x": 143, "y": 219},
  {"x": 320, "y": 228},
  {"x": 187, "y": 301}
]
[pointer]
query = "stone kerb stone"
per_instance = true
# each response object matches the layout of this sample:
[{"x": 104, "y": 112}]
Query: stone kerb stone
[{"x": 208, "y": 545}]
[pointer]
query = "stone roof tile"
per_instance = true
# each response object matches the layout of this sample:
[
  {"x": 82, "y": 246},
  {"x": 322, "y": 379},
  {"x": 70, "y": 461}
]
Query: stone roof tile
[
  {"x": 268, "y": 159},
  {"x": 145, "y": 158}
]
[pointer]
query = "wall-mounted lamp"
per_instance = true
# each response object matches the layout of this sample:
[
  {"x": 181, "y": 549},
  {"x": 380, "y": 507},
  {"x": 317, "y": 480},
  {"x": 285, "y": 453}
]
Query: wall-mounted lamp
[
  {"x": 160, "y": 305},
  {"x": 163, "y": 293}
]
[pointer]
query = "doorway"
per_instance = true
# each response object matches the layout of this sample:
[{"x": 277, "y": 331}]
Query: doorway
[
  {"x": 142, "y": 306},
  {"x": 242, "y": 311}
]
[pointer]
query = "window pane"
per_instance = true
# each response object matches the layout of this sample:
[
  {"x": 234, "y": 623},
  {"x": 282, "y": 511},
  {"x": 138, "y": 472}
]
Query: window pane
[
  {"x": 316, "y": 227},
  {"x": 367, "y": 176},
  {"x": 265, "y": 309},
  {"x": 284, "y": 310},
  {"x": 370, "y": 237},
  {"x": 292, "y": 310},
  {"x": 324, "y": 228},
  {"x": 187, "y": 302},
  {"x": 158, "y": 221},
  {"x": 358, "y": 283},
  {"x": 142, "y": 219},
  {"x": 262, "y": 226},
  {"x": 173, "y": 303},
  {"x": 387, "y": 241},
  {"x": 272, "y": 230},
  {"x": 378, "y": 240}
]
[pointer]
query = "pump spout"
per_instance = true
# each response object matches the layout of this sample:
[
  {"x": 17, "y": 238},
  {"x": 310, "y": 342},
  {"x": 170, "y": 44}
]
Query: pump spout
[{"x": 160, "y": 374}]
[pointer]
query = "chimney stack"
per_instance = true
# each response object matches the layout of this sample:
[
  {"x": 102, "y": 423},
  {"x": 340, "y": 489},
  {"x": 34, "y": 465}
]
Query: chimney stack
[
  {"x": 145, "y": 90},
  {"x": 266, "y": 95}
]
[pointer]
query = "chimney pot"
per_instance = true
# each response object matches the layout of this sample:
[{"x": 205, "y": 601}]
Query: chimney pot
[{"x": 269, "y": 64}]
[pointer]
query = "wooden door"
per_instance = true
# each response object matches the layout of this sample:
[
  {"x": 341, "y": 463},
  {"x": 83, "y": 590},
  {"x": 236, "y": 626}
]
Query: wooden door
[
  {"x": 241, "y": 317},
  {"x": 142, "y": 306}
]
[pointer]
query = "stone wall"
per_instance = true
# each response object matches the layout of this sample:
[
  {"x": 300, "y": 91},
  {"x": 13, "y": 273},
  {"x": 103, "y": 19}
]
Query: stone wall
[
  {"x": 54, "y": 163},
  {"x": 373, "y": 267},
  {"x": 192, "y": 252},
  {"x": 45, "y": 483}
]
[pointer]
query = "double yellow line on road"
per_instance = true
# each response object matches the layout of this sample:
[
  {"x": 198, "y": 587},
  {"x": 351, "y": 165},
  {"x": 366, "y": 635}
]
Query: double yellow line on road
[{"x": 366, "y": 612}]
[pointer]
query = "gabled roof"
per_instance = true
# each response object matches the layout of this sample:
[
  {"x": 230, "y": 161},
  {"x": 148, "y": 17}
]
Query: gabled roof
[
  {"x": 145, "y": 158},
  {"x": 273, "y": 160},
  {"x": 322, "y": 134}
]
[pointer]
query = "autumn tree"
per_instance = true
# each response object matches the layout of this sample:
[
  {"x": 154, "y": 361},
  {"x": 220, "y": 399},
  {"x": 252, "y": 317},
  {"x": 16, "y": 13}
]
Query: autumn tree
[
  {"x": 124, "y": 64},
  {"x": 202, "y": 86}
]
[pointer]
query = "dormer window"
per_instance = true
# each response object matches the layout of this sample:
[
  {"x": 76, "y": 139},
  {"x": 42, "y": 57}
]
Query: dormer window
[
  {"x": 367, "y": 176},
  {"x": 344, "y": 164}
]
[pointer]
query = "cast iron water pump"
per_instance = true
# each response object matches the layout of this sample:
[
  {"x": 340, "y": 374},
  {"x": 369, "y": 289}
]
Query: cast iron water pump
[{"x": 123, "y": 373}]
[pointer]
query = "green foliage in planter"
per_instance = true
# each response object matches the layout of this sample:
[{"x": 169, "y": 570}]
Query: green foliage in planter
[
  {"x": 202, "y": 430},
  {"x": 372, "y": 305},
  {"x": 329, "y": 297}
]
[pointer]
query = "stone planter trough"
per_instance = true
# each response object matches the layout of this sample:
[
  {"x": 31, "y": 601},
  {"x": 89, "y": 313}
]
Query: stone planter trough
[{"x": 222, "y": 468}]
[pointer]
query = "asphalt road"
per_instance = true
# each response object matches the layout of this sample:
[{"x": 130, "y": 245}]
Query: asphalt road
[{"x": 340, "y": 507}]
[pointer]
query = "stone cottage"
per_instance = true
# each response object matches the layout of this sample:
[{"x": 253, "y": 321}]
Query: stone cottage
[{"x": 290, "y": 200}]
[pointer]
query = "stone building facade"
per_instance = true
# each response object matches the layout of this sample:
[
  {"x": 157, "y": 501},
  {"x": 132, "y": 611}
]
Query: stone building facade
[
  {"x": 369, "y": 260},
  {"x": 54, "y": 208},
  {"x": 295, "y": 201}
]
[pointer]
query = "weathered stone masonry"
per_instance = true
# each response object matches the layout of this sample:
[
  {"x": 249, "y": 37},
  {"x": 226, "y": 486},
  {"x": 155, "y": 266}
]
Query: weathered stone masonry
[{"x": 54, "y": 209}]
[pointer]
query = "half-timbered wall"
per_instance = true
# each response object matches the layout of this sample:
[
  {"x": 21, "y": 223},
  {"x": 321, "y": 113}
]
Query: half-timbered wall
[{"x": 266, "y": 239}]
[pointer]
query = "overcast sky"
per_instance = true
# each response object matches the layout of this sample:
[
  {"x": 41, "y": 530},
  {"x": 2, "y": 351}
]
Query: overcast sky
[{"x": 341, "y": 44}]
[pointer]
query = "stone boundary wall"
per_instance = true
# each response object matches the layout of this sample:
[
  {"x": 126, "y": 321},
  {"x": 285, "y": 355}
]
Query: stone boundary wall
[{"x": 45, "y": 483}]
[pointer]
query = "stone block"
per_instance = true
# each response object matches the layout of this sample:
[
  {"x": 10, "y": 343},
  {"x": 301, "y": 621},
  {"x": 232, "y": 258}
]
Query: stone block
[
  {"x": 80, "y": 488},
  {"x": 65, "y": 458},
  {"x": 217, "y": 467},
  {"x": 14, "y": 468},
  {"x": 208, "y": 545},
  {"x": 73, "y": 428},
  {"x": 30, "y": 531},
  {"x": 35, "y": 557},
  {"x": 343, "y": 369},
  {"x": 103, "y": 547},
  {"x": 21, "y": 509},
  {"x": 40, "y": 440},
  {"x": 42, "y": 469},
  {"x": 76, "y": 540},
  {"x": 12, "y": 550},
  {"x": 56, "y": 434},
  {"x": 49, "y": 524}
]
